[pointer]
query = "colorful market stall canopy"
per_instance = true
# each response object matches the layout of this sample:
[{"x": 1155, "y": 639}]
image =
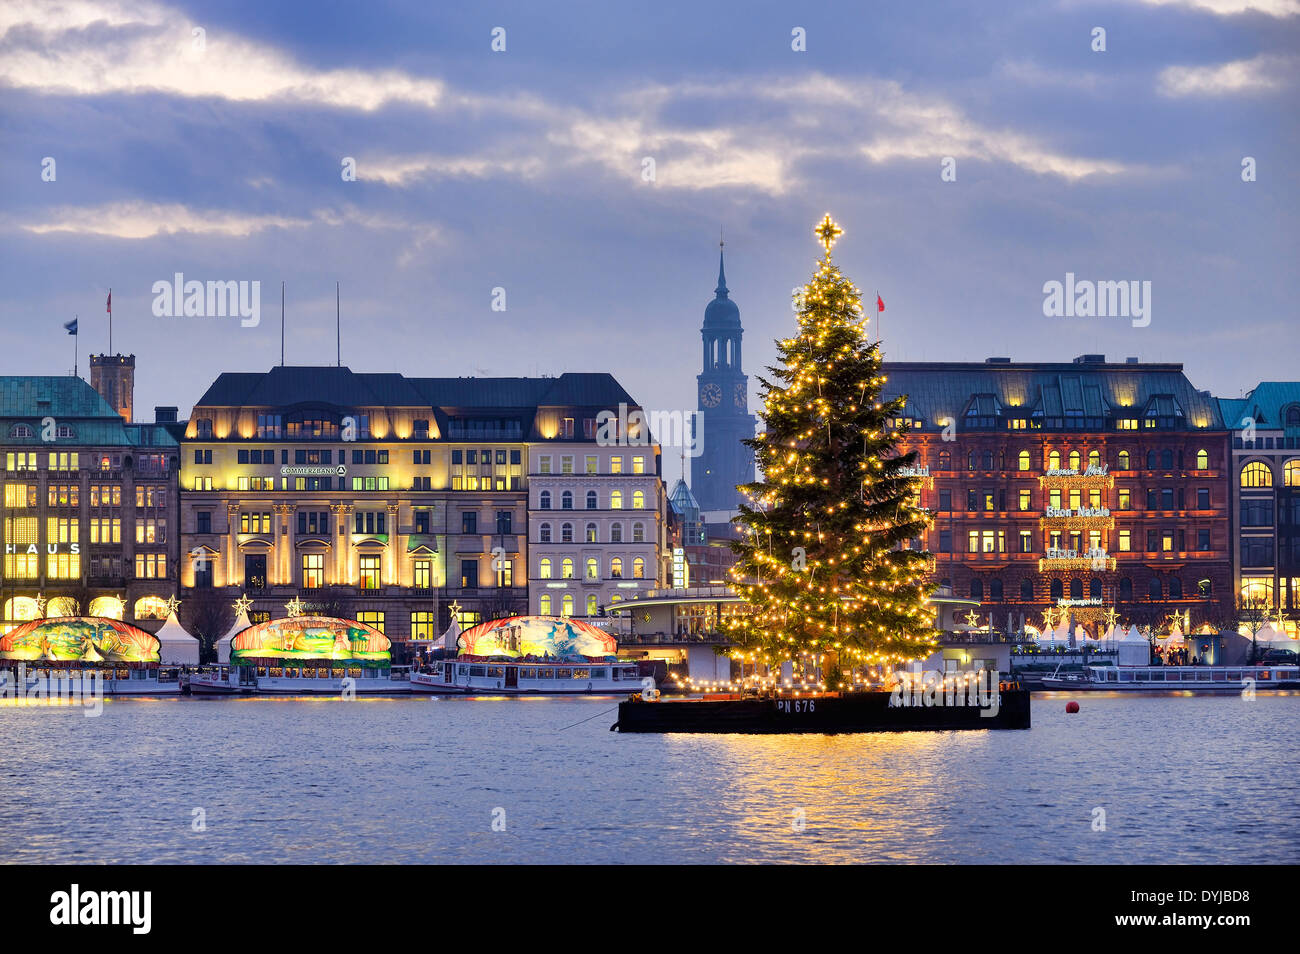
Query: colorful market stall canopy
[
  {"x": 84, "y": 638},
  {"x": 312, "y": 637},
  {"x": 542, "y": 636}
]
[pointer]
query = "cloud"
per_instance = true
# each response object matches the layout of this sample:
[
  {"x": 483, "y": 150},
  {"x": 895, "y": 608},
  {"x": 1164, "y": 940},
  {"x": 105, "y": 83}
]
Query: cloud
[
  {"x": 93, "y": 48},
  {"x": 1227, "y": 8},
  {"x": 1262, "y": 74}
]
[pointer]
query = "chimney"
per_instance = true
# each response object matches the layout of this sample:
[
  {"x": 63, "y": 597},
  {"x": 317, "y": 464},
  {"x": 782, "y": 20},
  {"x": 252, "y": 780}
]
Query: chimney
[{"x": 113, "y": 376}]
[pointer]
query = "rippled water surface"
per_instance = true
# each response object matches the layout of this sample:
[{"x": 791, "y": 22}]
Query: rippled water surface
[{"x": 1181, "y": 779}]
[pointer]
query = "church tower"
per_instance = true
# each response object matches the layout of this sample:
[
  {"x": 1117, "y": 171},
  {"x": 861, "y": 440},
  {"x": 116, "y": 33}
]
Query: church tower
[{"x": 723, "y": 402}]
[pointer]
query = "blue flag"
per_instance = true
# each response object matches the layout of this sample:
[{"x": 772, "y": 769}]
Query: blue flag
[{"x": 71, "y": 326}]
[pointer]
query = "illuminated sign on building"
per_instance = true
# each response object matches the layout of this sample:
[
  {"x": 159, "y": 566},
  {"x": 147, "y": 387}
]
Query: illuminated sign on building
[
  {"x": 1080, "y": 512},
  {"x": 290, "y": 470},
  {"x": 681, "y": 571},
  {"x": 49, "y": 548}
]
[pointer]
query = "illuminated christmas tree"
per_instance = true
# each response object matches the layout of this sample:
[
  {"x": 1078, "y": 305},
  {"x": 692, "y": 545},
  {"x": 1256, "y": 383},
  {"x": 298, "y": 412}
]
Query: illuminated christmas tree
[{"x": 824, "y": 562}]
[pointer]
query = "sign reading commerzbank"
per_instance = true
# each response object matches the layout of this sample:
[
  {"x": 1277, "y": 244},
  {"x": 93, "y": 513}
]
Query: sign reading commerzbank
[{"x": 291, "y": 470}]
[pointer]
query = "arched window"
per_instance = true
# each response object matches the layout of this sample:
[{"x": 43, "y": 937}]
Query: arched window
[
  {"x": 1027, "y": 589},
  {"x": 591, "y": 533},
  {"x": 591, "y": 500},
  {"x": 988, "y": 460},
  {"x": 544, "y": 568},
  {"x": 616, "y": 500},
  {"x": 1094, "y": 590},
  {"x": 1291, "y": 472},
  {"x": 593, "y": 569},
  {"x": 1151, "y": 460},
  {"x": 638, "y": 568},
  {"x": 566, "y": 500},
  {"x": 945, "y": 460},
  {"x": 1023, "y": 460},
  {"x": 566, "y": 568},
  {"x": 1054, "y": 460},
  {"x": 1076, "y": 589},
  {"x": 977, "y": 589},
  {"x": 970, "y": 461},
  {"x": 1256, "y": 474},
  {"x": 1175, "y": 589},
  {"x": 1202, "y": 459},
  {"x": 1167, "y": 459},
  {"x": 1074, "y": 460},
  {"x": 592, "y": 608},
  {"x": 1057, "y": 590},
  {"x": 995, "y": 589},
  {"x": 21, "y": 430},
  {"x": 1154, "y": 590},
  {"x": 638, "y": 533},
  {"x": 566, "y": 533},
  {"x": 1126, "y": 589},
  {"x": 616, "y": 568},
  {"x": 544, "y": 502},
  {"x": 146, "y": 607},
  {"x": 616, "y": 533},
  {"x": 638, "y": 500},
  {"x": 1094, "y": 458},
  {"x": 544, "y": 533},
  {"x": 544, "y": 604},
  {"x": 567, "y": 605},
  {"x": 1293, "y": 417},
  {"x": 1123, "y": 460}
]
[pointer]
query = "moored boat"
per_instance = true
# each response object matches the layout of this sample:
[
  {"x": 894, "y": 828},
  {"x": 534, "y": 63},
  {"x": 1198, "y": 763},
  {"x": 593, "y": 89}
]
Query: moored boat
[
  {"x": 1200, "y": 679},
  {"x": 471, "y": 675}
]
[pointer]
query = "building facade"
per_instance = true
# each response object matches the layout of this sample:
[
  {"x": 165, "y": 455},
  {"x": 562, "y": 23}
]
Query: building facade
[
  {"x": 377, "y": 496},
  {"x": 1074, "y": 487},
  {"x": 1264, "y": 480},
  {"x": 723, "y": 420},
  {"x": 90, "y": 507}
]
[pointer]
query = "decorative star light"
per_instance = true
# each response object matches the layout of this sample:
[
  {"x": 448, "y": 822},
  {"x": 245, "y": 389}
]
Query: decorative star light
[
  {"x": 1279, "y": 620},
  {"x": 455, "y": 610},
  {"x": 242, "y": 604},
  {"x": 294, "y": 607},
  {"x": 173, "y": 604},
  {"x": 827, "y": 233},
  {"x": 972, "y": 619},
  {"x": 40, "y": 602},
  {"x": 1049, "y": 618},
  {"x": 1111, "y": 618}
]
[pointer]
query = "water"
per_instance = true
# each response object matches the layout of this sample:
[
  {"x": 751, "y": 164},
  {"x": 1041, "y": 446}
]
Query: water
[{"x": 1181, "y": 779}]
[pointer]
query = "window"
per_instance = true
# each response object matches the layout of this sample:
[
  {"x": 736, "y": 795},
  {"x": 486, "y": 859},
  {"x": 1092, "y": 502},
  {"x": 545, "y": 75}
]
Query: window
[
  {"x": 423, "y": 625},
  {"x": 1027, "y": 589},
  {"x": 590, "y": 461},
  {"x": 544, "y": 605},
  {"x": 616, "y": 465},
  {"x": 1202, "y": 460},
  {"x": 592, "y": 607},
  {"x": 1076, "y": 589},
  {"x": 616, "y": 533},
  {"x": 1026, "y": 542},
  {"x": 1125, "y": 541},
  {"x": 1054, "y": 460},
  {"x": 1202, "y": 539},
  {"x": 1154, "y": 590},
  {"x": 1125, "y": 498},
  {"x": 616, "y": 500},
  {"x": 1023, "y": 460},
  {"x": 566, "y": 500},
  {"x": 469, "y": 522},
  {"x": 505, "y": 519},
  {"x": 1167, "y": 459},
  {"x": 566, "y": 605},
  {"x": 593, "y": 569},
  {"x": 370, "y": 572},
  {"x": 591, "y": 533},
  {"x": 995, "y": 589},
  {"x": 422, "y": 574},
  {"x": 1074, "y": 460},
  {"x": 1057, "y": 590},
  {"x": 566, "y": 568},
  {"x": 313, "y": 571},
  {"x": 544, "y": 501},
  {"x": 544, "y": 464},
  {"x": 544, "y": 533},
  {"x": 506, "y": 573},
  {"x": 204, "y": 518},
  {"x": 638, "y": 500},
  {"x": 566, "y": 533},
  {"x": 469, "y": 574},
  {"x": 638, "y": 465},
  {"x": 1094, "y": 458},
  {"x": 1126, "y": 589},
  {"x": 945, "y": 460},
  {"x": 1123, "y": 460},
  {"x": 977, "y": 590},
  {"x": 638, "y": 568},
  {"x": 616, "y": 568},
  {"x": 1291, "y": 471},
  {"x": 638, "y": 533},
  {"x": 945, "y": 541},
  {"x": 1256, "y": 474}
]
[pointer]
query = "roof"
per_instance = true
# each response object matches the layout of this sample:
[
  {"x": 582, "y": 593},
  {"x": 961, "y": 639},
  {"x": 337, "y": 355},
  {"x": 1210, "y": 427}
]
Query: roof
[
  {"x": 29, "y": 399},
  {"x": 1088, "y": 387},
  {"x": 683, "y": 501},
  {"x": 1266, "y": 403}
]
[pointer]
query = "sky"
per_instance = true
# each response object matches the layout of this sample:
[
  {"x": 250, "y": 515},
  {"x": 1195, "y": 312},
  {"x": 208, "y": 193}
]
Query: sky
[{"x": 581, "y": 175}]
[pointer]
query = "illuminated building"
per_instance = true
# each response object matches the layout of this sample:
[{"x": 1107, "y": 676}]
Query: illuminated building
[
  {"x": 723, "y": 461},
  {"x": 385, "y": 498},
  {"x": 89, "y": 505},
  {"x": 1080, "y": 486},
  {"x": 1265, "y": 484}
]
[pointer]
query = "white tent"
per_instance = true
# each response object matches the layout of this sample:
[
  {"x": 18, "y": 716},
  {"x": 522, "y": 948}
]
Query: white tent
[
  {"x": 451, "y": 638},
  {"x": 223, "y": 644},
  {"x": 176, "y": 646},
  {"x": 1133, "y": 649}
]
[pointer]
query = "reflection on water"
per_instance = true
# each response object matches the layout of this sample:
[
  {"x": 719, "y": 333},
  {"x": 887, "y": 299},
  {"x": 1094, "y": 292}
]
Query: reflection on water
[{"x": 1181, "y": 779}]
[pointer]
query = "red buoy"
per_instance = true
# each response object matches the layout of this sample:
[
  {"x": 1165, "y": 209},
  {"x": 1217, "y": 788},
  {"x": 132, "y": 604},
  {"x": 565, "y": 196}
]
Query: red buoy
[{"x": 1072, "y": 706}]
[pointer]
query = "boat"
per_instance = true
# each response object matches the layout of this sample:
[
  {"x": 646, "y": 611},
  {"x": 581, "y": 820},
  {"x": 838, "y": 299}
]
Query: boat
[
  {"x": 309, "y": 655},
  {"x": 471, "y": 675},
  {"x": 221, "y": 681},
  {"x": 56, "y": 656},
  {"x": 54, "y": 681},
  {"x": 1200, "y": 679}
]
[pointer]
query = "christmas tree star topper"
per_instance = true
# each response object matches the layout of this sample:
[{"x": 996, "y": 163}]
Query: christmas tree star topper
[{"x": 827, "y": 233}]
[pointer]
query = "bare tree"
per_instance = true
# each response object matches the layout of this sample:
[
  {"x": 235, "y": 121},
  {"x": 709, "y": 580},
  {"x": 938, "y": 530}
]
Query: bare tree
[
  {"x": 1252, "y": 613},
  {"x": 207, "y": 615}
]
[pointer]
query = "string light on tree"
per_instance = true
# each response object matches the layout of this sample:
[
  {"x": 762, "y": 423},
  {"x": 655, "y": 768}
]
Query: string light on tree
[{"x": 825, "y": 560}]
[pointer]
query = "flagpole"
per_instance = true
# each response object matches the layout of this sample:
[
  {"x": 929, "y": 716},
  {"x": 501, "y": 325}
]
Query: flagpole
[
  {"x": 76, "y": 346},
  {"x": 878, "y": 336},
  {"x": 110, "y": 319},
  {"x": 282, "y": 324},
  {"x": 338, "y": 330}
]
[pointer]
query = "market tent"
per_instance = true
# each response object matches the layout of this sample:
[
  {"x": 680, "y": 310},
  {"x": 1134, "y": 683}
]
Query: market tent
[
  {"x": 176, "y": 646},
  {"x": 223, "y": 644}
]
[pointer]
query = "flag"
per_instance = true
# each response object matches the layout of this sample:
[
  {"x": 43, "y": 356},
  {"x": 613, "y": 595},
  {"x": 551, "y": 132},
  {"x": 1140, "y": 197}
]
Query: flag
[
  {"x": 71, "y": 326},
  {"x": 109, "y": 307},
  {"x": 880, "y": 304}
]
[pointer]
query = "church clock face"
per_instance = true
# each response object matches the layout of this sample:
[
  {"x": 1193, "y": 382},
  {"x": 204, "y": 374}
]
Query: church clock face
[
  {"x": 710, "y": 395},
  {"x": 741, "y": 396}
]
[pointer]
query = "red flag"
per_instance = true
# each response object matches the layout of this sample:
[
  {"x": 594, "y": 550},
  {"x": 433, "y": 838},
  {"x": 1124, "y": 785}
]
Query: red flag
[
  {"x": 109, "y": 308},
  {"x": 880, "y": 304}
]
